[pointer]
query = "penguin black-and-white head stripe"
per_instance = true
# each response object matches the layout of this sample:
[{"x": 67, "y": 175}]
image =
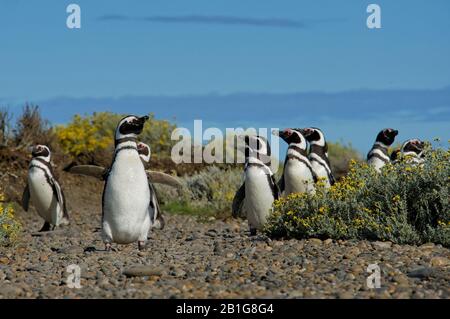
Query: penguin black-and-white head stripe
[
  {"x": 129, "y": 128},
  {"x": 144, "y": 152},
  {"x": 413, "y": 146},
  {"x": 314, "y": 136},
  {"x": 256, "y": 148},
  {"x": 386, "y": 136},
  {"x": 41, "y": 152},
  {"x": 292, "y": 136}
]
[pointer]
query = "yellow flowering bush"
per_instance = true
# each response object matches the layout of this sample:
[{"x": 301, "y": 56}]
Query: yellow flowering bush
[
  {"x": 9, "y": 226},
  {"x": 90, "y": 133},
  {"x": 404, "y": 203}
]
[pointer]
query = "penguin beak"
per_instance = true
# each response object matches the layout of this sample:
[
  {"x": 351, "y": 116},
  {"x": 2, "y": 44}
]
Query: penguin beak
[
  {"x": 395, "y": 132},
  {"x": 143, "y": 119}
]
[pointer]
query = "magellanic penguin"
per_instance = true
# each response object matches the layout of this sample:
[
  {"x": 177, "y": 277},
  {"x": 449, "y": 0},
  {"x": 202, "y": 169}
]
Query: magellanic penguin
[
  {"x": 257, "y": 194},
  {"x": 298, "y": 174},
  {"x": 44, "y": 190},
  {"x": 378, "y": 155},
  {"x": 126, "y": 195},
  {"x": 318, "y": 155},
  {"x": 412, "y": 151}
]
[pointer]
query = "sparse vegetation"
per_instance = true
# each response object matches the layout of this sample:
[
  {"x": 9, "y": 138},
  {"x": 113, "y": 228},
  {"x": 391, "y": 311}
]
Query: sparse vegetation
[
  {"x": 207, "y": 193},
  {"x": 9, "y": 226},
  {"x": 403, "y": 204},
  {"x": 341, "y": 155}
]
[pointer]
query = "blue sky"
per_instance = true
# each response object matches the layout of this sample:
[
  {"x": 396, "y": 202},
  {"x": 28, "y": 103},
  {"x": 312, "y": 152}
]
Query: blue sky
[{"x": 210, "y": 48}]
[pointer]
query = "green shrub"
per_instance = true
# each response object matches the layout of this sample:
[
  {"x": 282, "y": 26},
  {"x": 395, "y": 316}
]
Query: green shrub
[
  {"x": 406, "y": 204},
  {"x": 88, "y": 134},
  {"x": 9, "y": 226},
  {"x": 340, "y": 155},
  {"x": 208, "y": 193}
]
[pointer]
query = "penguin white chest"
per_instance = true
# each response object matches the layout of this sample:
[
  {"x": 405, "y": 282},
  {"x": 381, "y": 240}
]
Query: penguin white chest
[
  {"x": 297, "y": 178},
  {"x": 376, "y": 163},
  {"x": 126, "y": 200},
  {"x": 258, "y": 197},
  {"x": 42, "y": 196}
]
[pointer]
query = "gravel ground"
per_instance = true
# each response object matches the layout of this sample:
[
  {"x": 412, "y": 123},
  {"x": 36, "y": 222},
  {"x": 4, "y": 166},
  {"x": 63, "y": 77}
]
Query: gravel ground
[{"x": 217, "y": 259}]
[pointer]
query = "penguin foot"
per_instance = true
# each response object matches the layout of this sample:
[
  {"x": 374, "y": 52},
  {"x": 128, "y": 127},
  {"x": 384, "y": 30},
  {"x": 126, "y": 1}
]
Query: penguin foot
[
  {"x": 141, "y": 245},
  {"x": 252, "y": 232},
  {"x": 45, "y": 227},
  {"x": 107, "y": 246}
]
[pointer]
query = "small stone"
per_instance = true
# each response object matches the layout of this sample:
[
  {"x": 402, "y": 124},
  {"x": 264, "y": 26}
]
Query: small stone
[
  {"x": 315, "y": 241},
  {"x": 346, "y": 295},
  {"x": 43, "y": 258},
  {"x": 422, "y": 272},
  {"x": 142, "y": 271},
  {"x": 439, "y": 262},
  {"x": 230, "y": 255},
  {"x": 402, "y": 280},
  {"x": 428, "y": 246},
  {"x": 329, "y": 241},
  {"x": 268, "y": 248},
  {"x": 382, "y": 244},
  {"x": 4, "y": 260}
]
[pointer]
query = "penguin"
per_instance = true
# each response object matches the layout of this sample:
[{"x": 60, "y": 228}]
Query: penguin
[
  {"x": 126, "y": 196},
  {"x": 259, "y": 190},
  {"x": 412, "y": 151},
  {"x": 44, "y": 191},
  {"x": 318, "y": 155},
  {"x": 298, "y": 174},
  {"x": 378, "y": 155}
]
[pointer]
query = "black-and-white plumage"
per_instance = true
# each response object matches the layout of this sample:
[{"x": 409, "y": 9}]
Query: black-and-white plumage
[
  {"x": 44, "y": 191},
  {"x": 126, "y": 196},
  {"x": 318, "y": 155},
  {"x": 257, "y": 194},
  {"x": 378, "y": 155},
  {"x": 412, "y": 151},
  {"x": 298, "y": 174}
]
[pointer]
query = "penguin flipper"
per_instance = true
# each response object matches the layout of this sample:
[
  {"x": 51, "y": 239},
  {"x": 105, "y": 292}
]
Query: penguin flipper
[
  {"x": 26, "y": 198},
  {"x": 163, "y": 178},
  {"x": 98, "y": 172},
  {"x": 275, "y": 188},
  {"x": 281, "y": 184},
  {"x": 238, "y": 201},
  {"x": 58, "y": 193},
  {"x": 157, "y": 217}
]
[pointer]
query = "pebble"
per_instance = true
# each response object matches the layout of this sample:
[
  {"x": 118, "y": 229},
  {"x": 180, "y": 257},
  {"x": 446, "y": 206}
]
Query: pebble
[
  {"x": 439, "y": 262},
  {"x": 142, "y": 270}
]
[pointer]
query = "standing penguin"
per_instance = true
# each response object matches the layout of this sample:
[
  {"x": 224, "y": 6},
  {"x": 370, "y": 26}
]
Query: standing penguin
[
  {"x": 44, "y": 190},
  {"x": 257, "y": 194},
  {"x": 412, "y": 151},
  {"x": 378, "y": 155},
  {"x": 126, "y": 195},
  {"x": 318, "y": 155},
  {"x": 298, "y": 174}
]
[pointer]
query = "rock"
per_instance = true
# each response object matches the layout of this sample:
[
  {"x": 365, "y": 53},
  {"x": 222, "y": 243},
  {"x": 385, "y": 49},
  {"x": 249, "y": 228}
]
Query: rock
[
  {"x": 382, "y": 244},
  {"x": 142, "y": 271},
  {"x": 421, "y": 273},
  {"x": 428, "y": 246},
  {"x": 315, "y": 241},
  {"x": 402, "y": 280},
  {"x": 4, "y": 260},
  {"x": 329, "y": 241},
  {"x": 439, "y": 262}
]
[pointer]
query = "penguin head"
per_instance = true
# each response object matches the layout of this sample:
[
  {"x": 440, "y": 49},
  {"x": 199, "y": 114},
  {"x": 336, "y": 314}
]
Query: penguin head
[
  {"x": 314, "y": 136},
  {"x": 387, "y": 136},
  {"x": 256, "y": 146},
  {"x": 130, "y": 126},
  {"x": 413, "y": 146},
  {"x": 42, "y": 152},
  {"x": 292, "y": 136},
  {"x": 144, "y": 152}
]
